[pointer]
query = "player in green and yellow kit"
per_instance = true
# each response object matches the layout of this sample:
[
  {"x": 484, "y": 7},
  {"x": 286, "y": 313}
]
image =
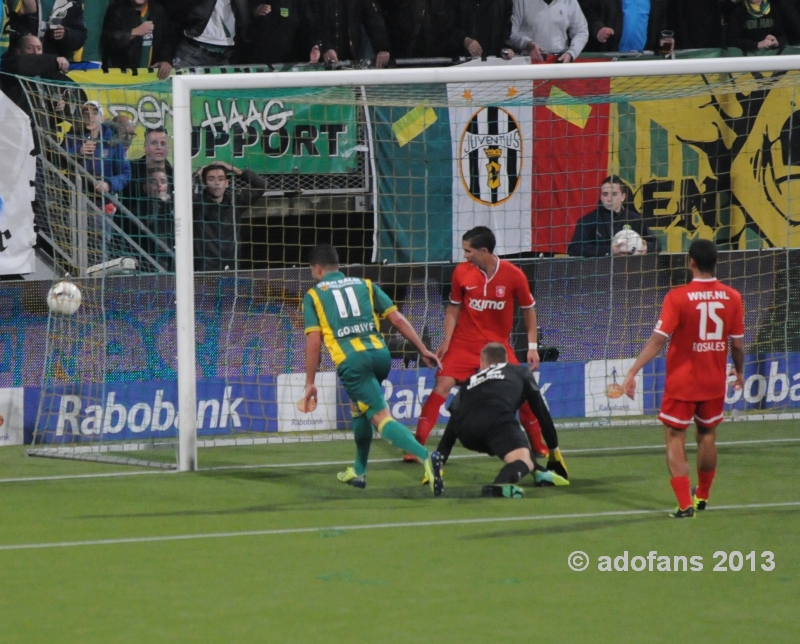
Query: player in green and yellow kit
[{"x": 345, "y": 313}]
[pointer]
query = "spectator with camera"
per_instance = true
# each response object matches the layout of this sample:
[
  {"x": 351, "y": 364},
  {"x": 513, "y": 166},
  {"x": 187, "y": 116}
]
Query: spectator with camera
[
  {"x": 138, "y": 34},
  {"x": 58, "y": 24}
]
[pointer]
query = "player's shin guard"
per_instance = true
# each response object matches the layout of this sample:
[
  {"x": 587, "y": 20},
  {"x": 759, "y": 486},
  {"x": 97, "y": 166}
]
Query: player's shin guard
[
  {"x": 683, "y": 491},
  {"x": 704, "y": 481},
  {"x": 511, "y": 473},
  {"x": 429, "y": 416},
  {"x": 532, "y": 428},
  {"x": 401, "y": 438},
  {"x": 362, "y": 433}
]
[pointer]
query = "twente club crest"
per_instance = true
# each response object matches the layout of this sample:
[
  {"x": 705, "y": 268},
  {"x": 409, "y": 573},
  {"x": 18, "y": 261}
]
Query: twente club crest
[{"x": 490, "y": 156}]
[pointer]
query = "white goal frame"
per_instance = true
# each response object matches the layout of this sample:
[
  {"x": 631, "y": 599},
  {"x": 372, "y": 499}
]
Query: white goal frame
[{"x": 184, "y": 85}]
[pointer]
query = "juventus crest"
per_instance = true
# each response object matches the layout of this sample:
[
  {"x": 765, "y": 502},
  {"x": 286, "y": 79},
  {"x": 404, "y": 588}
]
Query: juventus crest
[{"x": 490, "y": 156}]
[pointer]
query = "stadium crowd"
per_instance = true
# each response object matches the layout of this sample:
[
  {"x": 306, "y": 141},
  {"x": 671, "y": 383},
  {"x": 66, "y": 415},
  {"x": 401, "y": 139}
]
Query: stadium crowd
[{"x": 209, "y": 33}]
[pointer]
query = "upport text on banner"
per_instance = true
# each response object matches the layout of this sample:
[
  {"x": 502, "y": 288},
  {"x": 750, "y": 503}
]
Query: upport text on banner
[{"x": 653, "y": 561}]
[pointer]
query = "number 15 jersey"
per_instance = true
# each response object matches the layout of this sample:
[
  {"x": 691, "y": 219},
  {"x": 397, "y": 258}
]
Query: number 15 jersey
[{"x": 700, "y": 317}]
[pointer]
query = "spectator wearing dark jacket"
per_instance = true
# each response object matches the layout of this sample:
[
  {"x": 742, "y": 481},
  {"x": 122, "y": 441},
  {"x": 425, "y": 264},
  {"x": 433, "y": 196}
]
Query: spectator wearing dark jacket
[
  {"x": 595, "y": 231},
  {"x": 281, "y": 31},
  {"x": 138, "y": 34},
  {"x": 421, "y": 28},
  {"x": 95, "y": 147},
  {"x": 218, "y": 215},
  {"x": 756, "y": 25},
  {"x": 698, "y": 23},
  {"x": 210, "y": 30},
  {"x": 611, "y": 30},
  {"x": 58, "y": 24},
  {"x": 342, "y": 23},
  {"x": 483, "y": 26}
]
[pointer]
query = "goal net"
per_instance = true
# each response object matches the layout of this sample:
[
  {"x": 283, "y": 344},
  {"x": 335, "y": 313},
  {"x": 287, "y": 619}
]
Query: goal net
[{"x": 392, "y": 167}]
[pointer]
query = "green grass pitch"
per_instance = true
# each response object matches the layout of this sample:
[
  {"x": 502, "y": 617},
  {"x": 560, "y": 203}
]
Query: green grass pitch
[{"x": 287, "y": 554}]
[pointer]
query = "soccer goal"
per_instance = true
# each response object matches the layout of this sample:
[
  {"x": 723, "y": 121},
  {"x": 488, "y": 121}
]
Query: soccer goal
[{"x": 392, "y": 167}]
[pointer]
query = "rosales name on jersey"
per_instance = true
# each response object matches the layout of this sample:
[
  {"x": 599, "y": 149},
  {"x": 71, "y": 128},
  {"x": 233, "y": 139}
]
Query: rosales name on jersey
[{"x": 703, "y": 347}]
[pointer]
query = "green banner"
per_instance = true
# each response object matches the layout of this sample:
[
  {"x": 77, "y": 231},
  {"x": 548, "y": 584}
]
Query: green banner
[{"x": 275, "y": 136}]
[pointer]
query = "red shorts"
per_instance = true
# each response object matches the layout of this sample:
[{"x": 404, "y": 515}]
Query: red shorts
[
  {"x": 679, "y": 414},
  {"x": 463, "y": 360}
]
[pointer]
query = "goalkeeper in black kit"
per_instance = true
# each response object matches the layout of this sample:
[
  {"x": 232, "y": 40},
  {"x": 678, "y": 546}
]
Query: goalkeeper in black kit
[{"x": 483, "y": 418}]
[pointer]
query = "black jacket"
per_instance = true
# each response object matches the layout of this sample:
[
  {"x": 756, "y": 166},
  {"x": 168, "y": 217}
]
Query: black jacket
[
  {"x": 285, "y": 35},
  {"x": 490, "y": 399},
  {"x": 217, "y": 233},
  {"x": 608, "y": 13},
  {"x": 421, "y": 28},
  {"x": 595, "y": 230},
  {"x": 343, "y": 32},
  {"x": 74, "y": 29},
  {"x": 192, "y": 16},
  {"x": 487, "y": 21},
  {"x": 746, "y": 31},
  {"x": 122, "y": 50},
  {"x": 698, "y": 23}
]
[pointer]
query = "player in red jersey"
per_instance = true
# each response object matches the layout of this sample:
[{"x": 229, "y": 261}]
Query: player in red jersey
[
  {"x": 700, "y": 317},
  {"x": 481, "y": 310}
]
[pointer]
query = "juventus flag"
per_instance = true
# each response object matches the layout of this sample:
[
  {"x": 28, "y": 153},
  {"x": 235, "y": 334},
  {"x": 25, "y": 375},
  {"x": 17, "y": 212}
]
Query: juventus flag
[{"x": 491, "y": 165}]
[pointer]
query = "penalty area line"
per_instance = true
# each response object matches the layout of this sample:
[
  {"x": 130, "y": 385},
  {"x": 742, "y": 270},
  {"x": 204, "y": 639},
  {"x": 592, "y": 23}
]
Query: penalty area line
[{"x": 379, "y": 526}]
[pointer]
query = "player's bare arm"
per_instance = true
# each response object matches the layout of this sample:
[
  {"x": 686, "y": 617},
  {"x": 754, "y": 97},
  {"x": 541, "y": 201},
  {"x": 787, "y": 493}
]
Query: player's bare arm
[
  {"x": 531, "y": 326},
  {"x": 404, "y": 328},
  {"x": 650, "y": 350},
  {"x": 737, "y": 354},
  {"x": 450, "y": 321},
  {"x": 313, "y": 346}
]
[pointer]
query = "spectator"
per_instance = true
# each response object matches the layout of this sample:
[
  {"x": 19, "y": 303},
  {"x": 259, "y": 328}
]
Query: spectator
[
  {"x": 615, "y": 25},
  {"x": 421, "y": 28},
  {"x": 756, "y": 25},
  {"x": 138, "y": 34},
  {"x": 790, "y": 17},
  {"x": 595, "y": 231},
  {"x": 57, "y": 23},
  {"x": 286, "y": 35},
  {"x": 483, "y": 27},
  {"x": 211, "y": 29},
  {"x": 124, "y": 131},
  {"x": 156, "y": 151},
  {"x": 26, "y": 58},
  {"x": 218, "y": 215},
  {"x": 95, "y": 149},
  {"x": 343, "y": 22},
  {"x": 540, "y": 27},
  {"x": 698, "y": 24},
  {"x": 156, "y": 211}
]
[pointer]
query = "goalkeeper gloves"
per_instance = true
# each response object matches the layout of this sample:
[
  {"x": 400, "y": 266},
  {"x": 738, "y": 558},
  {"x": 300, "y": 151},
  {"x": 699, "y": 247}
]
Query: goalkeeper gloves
[{"x": 555, "y": 463}]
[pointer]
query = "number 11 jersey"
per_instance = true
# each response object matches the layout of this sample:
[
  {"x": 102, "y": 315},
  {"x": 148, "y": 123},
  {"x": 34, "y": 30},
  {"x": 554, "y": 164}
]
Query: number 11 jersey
[{"x": 699, "y": 317}]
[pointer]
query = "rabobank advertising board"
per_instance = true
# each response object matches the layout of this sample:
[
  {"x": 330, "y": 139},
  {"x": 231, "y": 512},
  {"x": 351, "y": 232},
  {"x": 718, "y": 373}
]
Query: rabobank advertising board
[{"x": 148, "y": 410}]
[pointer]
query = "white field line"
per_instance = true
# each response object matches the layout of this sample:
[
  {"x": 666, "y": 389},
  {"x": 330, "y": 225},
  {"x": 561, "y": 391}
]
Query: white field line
[
  {"x": 378, "y": 526},
  {"x": 585, "y": 450}
]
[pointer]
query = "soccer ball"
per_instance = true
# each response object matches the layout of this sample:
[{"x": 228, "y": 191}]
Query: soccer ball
[
  {"x": 628, "y": 241},
  {"x": 64, "y": 298}
]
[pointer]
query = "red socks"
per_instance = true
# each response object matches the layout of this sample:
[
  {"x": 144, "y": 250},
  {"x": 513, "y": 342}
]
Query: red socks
[
  {"x": 704, "y": 480},
  {"x": 429, "y": 416},
  {"x": 683, "y": 491},
  {"x": 532, "y": 429}
]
